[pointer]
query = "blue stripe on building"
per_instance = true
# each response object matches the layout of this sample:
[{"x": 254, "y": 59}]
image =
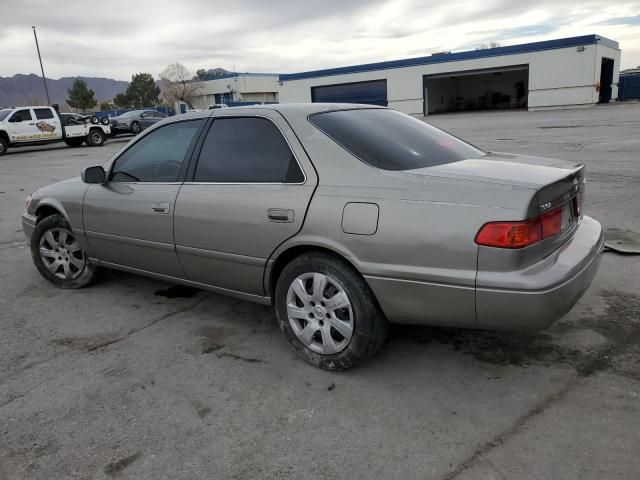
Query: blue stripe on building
[{"x": 454, "y": 57}]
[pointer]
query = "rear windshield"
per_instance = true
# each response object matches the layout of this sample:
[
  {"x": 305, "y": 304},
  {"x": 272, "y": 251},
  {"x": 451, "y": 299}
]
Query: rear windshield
[
  {"x": 390, "y": 140},
  {"x": 4, "y": 113}
]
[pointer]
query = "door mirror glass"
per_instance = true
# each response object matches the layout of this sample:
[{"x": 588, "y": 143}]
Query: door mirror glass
[{"x": 94, "y": 175}]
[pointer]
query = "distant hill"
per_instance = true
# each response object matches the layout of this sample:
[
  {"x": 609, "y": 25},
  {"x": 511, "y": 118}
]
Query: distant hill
[{"x": 29, "y": 90}]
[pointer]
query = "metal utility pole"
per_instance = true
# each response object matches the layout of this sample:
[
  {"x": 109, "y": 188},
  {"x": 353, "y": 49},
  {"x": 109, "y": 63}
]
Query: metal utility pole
[{"x": 44, "y": 79}]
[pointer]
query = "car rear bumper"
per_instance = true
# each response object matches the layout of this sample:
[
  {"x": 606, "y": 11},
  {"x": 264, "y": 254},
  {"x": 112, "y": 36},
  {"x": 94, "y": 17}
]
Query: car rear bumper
[
  {"x": 28, "y": 224},
  {"x": 547, "y": 290}
]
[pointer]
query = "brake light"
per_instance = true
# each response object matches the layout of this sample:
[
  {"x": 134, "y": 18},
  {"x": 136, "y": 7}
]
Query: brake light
[{"x": 522, "y": 233}]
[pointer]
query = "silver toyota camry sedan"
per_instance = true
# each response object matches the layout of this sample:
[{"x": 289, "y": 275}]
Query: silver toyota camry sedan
[{"x": 342, "y": 217}]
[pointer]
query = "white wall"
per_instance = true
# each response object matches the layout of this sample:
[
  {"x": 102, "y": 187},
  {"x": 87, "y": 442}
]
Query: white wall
[
  {"x": 246, "y": 88},
  {"x": 557, "y": 78}
]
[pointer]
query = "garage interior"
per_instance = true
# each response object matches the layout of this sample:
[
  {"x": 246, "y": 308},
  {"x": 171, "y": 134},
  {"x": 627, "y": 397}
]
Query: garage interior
[
  {"x": 373, "y": 92},
  {"x": 489, "y": 89}
]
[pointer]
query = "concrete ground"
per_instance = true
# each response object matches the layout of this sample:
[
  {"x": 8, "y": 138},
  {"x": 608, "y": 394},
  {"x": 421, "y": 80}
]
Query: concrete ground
[{"x": 134, "y": 379}]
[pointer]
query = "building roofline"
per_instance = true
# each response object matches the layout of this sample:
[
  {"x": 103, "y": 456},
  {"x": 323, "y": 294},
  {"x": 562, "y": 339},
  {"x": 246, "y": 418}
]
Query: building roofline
[
  {"x": 242, "y": 74},
  {"x": 457, "y": 56}
]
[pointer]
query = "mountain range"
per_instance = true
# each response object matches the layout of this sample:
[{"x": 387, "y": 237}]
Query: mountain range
[{"x": 28, "y": 89}]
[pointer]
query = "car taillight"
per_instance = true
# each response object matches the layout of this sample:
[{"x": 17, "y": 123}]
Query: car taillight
[{"x": 522, "y": 233}]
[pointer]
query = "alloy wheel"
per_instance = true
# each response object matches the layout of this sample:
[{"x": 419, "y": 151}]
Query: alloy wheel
[
  {"x": 320, "y": 313},
  {"x": 61, "y": 254}
]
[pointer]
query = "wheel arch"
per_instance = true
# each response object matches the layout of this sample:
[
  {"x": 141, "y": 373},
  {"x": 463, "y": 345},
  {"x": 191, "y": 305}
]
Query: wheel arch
[
  {"x": 285, "y": 253},
  {"x": 47, "y": 208}
]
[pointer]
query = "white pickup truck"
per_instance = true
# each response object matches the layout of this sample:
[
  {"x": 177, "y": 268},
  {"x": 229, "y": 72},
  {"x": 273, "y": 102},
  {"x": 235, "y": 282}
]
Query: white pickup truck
[{"x": 28, "y": 126}]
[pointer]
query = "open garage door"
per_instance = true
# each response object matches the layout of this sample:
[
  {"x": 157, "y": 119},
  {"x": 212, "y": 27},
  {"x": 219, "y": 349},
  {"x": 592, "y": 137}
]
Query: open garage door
[
  {"x": 504, "y": 87},
  {"x": 373, "y": 93}
]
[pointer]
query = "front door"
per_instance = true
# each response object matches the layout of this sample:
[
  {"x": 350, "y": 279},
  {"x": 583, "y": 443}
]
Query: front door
[
  {"x": 248, "y": 192},
  {"x": 128, "y": 221},
  {"x": 23, "y": 127}
]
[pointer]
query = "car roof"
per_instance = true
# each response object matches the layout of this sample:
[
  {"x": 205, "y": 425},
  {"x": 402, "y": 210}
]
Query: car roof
[{"x": 284, "y": 108}]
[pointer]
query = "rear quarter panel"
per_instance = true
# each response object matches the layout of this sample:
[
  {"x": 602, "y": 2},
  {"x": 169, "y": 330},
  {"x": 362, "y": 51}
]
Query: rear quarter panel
[{"x": 421, "y": 262}]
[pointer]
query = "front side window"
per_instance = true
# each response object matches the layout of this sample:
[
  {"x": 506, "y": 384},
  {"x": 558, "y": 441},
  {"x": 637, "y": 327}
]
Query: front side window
[
  {"x": 246, "y": 150},
  {"x": 390, "y": 140},
  {"x": 22, "y": 115},
  {"x": 43, "y": 113},
  {"x": 158, "y": 156}
]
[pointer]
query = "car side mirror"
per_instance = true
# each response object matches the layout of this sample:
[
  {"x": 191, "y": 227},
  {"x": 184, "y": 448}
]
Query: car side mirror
[{"x": 94, "y": 175}]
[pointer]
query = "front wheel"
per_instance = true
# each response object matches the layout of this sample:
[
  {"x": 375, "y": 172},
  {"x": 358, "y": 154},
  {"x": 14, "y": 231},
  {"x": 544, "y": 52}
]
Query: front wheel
[
  {"x": 58, "y": 256},
  {"x": 327, "y": 312},
  {"x": 4, "y": 145},
  {"x": 135, "y": 128},
  {"x": 96, "y": 138}
]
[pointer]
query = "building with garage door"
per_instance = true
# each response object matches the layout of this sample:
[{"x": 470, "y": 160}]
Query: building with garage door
[
  {"x": 562, "y": 73},
  {"x": 238, "y": 88}
]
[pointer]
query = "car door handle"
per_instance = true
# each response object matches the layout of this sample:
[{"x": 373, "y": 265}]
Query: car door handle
[
  {"x": 280, "y": 215},
  {"x": 160, "y": 208},
  {"x": 32, "y": 124}
]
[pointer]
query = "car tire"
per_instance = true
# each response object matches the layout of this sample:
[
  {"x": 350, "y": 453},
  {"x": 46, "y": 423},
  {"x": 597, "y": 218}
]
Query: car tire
[
  {"x": 326, "y": 337},
  {"x": 135, "y": 128},
  {"x": 104, "y": 121},
  {"x": 96, "y": 138},
  {"x": 71, "y": 267},
  {"x": 4, "y": 146},
  {"x": 74, "y": 142},
  {"x": 95, "y": 120}
]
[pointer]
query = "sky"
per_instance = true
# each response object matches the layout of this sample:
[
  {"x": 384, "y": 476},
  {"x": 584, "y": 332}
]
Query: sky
[{"x": 115, "y": 39}]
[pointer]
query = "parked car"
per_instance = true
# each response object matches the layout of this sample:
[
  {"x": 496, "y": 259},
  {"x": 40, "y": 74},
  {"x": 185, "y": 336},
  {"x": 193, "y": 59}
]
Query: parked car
[
  {"x": 135, "y": 121},
  {"x": 42, "y": 125},
  {"x": 217, "y": 106},
  {"x": 342, "y": 217}
]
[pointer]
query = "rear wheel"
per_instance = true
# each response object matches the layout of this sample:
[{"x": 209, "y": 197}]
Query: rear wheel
[
  {"x": 95, "y": 138},
  {"x": 135, "y": 128},
  {"x": 327, "y": 312},
  {"x": 4, "y": 145},
  {"x": 58, "y": 256}
]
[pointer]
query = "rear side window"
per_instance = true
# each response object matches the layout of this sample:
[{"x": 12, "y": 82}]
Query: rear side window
[
  {"x": 158, "y": 156},
  {"x": 43, "y": 113},
  {"x": 390, "y": 140},
  {"x": 246, "y": 150}
]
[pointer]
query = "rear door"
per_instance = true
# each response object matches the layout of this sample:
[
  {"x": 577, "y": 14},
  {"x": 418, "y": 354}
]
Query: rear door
[
  {"x": 247, "y": 193},
  {"x": 129, "y": 220},
  {"x": 47, "y": 123}
]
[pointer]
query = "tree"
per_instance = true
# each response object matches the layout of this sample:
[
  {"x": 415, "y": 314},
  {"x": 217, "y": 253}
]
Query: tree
[
  {"x": 202, "y": 74},
  {"x": 80, "y": 96},
  {"x": 178, "y": 84},
  {"x": 121, "y": 101},
  {"x": 107, "y": 106},
  {"x": 141, "y": 92}
]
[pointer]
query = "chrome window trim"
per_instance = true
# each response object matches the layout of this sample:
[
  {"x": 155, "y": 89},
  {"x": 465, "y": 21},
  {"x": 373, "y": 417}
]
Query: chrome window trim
[{"x": 235, "y": 115}]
